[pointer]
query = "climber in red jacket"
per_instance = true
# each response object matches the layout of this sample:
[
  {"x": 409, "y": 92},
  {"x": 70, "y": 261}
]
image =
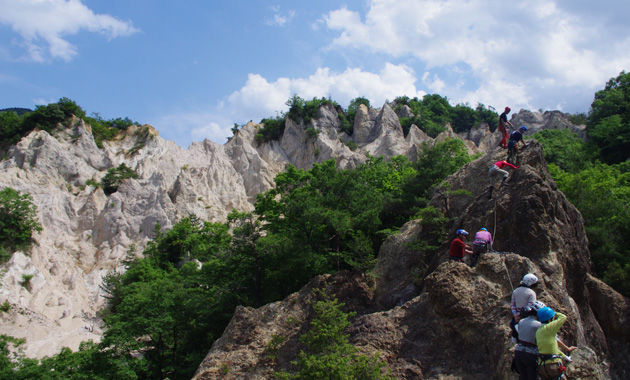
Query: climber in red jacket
[
  {"x": 458, "y": 248},
  {"x": 497, "y": 169}
]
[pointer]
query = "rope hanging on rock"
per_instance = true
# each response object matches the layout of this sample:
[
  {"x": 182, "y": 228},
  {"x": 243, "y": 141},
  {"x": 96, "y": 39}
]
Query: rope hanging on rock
[{"x": 494, "y": 237}]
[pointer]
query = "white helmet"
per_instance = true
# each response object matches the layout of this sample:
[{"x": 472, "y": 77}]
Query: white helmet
[
  {"x": 529, "y": 279},
  {"x": 538, "y": 305}
]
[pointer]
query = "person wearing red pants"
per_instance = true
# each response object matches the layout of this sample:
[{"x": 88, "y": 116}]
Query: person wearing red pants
[{"x": 503, "y": 124}]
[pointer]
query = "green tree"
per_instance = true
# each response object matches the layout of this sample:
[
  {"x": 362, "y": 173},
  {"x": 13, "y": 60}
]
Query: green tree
[
  {"x": 602, "y": 194},
  {"x": 327, "y": 353},
  {"x": 115, "y": 176},
  {"x": 189, "y": 239},
  {"x": 305, "y": 110},
  {"x": 433, "y": 165},
  {"x": 88, "y": 362},
  {"x": 70, "y": 108},
  {"x": 44, "y": 117},
  {"x": 172, "y": 303},
  {"x": 487, "y": 115},
  {"x": 272, "y": 129},
  {"x": 10, "y": 127},
  {"x": 18, "y": 220},
  {"x": 462, "y": 118},
  {"x": 563, "y": 148},
  {"x": 329, "y": 215},
  {"x": 608, "y": 127}
]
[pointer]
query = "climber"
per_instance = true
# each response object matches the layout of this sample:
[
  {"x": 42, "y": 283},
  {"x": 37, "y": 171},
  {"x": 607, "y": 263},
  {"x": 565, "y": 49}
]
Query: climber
[
  {"x": 483, "y": 238},
  {"x": 503, "y": 123},
  {"x": 526, "y": 351},
  {"x": 497, "y": 169},
  {"x": 458, "y": 248},
  {"x": 515, "y": 137},
  {"x": 522, "y": 296},
  {"x": 550, "y": 356}
]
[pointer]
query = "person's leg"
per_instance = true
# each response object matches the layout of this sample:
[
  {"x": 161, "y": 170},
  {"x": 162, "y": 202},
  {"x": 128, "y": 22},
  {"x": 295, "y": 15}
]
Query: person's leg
[
  {"x": 473, "y": 258},
  {"x": 504, "y": 136},
  {"x": 505, "y": 175},
  {"x": 531, "y": 367},
  {"x": 520, "y": 362}
]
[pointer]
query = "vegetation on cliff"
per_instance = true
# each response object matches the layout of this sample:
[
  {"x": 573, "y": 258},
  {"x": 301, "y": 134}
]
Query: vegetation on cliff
[
  {"x": 18, "y": 221},
  {"x": 15, "y": 125},
  {"x": 430, "y": 114}
]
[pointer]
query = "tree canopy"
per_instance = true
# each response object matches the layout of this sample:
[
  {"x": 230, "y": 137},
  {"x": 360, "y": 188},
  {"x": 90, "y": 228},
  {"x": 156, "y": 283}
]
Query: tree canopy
[{"x": 608, "y": 125}]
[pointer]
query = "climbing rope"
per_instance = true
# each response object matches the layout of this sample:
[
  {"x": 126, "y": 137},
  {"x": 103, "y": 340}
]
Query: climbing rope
[
  {"x": 494, "y": 230},
  {"x": 508, "y": 273},
  {"x": 494, "y": 237}
]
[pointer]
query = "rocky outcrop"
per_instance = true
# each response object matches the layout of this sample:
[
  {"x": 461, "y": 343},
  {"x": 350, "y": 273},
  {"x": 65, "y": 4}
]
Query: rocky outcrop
[
  {"x": 538, "y": 120},
  {"x": 429, "y": 318}
]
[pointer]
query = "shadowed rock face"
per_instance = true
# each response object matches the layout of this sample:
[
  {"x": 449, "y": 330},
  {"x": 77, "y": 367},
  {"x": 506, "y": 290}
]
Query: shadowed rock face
[{"x": 453, "y": 322}]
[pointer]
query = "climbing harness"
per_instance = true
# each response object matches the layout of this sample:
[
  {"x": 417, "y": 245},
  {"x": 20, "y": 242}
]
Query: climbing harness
[{"x": 550, "y": 366}]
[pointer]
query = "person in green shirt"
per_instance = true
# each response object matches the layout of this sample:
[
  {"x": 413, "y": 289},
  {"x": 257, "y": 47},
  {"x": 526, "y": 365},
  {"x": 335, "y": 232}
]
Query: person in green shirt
[{"x": 549, "y": 352}]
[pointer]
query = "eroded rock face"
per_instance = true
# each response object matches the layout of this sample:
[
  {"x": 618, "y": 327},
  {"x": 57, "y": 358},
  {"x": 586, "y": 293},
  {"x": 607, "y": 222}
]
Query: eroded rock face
[
  {"x": 430, "y": 318},
  {"x": 537, "y": 120}
]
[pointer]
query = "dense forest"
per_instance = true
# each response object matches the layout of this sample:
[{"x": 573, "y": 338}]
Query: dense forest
[{"x": 176, "y": 297}]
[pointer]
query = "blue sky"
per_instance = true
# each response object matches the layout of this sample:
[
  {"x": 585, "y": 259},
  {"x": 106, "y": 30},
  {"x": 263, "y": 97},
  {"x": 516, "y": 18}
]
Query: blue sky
[{"x": 193, "y": 68}]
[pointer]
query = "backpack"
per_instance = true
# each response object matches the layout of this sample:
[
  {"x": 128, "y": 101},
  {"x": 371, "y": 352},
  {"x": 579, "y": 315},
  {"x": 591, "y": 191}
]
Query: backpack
[{"x": 479, "y": 246}]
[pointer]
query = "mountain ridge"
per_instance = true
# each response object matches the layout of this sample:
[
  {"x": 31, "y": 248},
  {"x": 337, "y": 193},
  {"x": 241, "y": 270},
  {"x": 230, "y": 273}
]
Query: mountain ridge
[{"x": 87, "y": 233}]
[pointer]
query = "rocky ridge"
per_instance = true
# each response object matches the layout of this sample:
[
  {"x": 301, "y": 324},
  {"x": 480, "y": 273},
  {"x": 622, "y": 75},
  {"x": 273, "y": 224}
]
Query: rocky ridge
[
  {"x": 86, "y": 233},
  {"x": 429, "y": 318}
]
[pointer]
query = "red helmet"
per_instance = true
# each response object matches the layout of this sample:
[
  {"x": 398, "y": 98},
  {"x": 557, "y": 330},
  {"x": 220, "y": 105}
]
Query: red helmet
[{"x": 507, "y": 109}]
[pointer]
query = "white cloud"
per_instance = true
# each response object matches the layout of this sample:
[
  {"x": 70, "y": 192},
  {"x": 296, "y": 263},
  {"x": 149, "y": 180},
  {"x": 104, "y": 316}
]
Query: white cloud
[
  {"x": 260, "y": 98},
  {"x": 539, "y": 46},
  {"x": 279, "y": 19},
  {"x": 43, "y": 25},
  {"x": 185, "y": 127}
]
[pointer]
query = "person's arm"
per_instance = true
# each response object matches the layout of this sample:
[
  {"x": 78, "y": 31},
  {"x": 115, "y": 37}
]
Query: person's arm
[
  {"x": 510, "y": 165},
  {"x": 564, "y": 347},
  {"x": 515, "y": 312}
]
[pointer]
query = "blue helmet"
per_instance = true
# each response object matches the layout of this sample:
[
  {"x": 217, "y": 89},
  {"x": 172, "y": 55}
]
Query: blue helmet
[
  {"x": 545, "y": 314},
  {"x": 523, "y": 128},
  {"x": 461, "y": 232},
  {"x": 483, "y": 229}
]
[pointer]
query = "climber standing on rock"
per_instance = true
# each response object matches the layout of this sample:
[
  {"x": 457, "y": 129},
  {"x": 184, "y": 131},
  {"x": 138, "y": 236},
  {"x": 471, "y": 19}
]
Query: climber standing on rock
[
  {"x": 515, "y": 137},
  {"x": 522, "y": 296},
  {"x": 497, "y": 169},
  {"x": 503, "y": 124},
  {"x": 483, "y": 239},
  {"x": 550, "y": 364},
  {"x": 458, "y": 248},
  {"x": 526, "y": 351}
]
